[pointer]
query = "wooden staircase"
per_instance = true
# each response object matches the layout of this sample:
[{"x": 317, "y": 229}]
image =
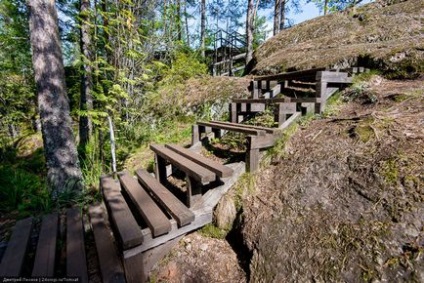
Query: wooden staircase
[
  {"x": 146, "y": 212},
  {"x": 147, "y": 216},
  {"x": 229, "y": 53}
]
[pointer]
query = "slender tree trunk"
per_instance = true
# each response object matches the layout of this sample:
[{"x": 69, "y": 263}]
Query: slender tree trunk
[
  {"x": 276, "y": 16},
  {"x": 86, "y": 100},
  {"x": 325, "y": 7},
  {"x": 203, "y": 27},
  {"x": 63, "y": 171},
  {"x": 282, "y": 14},
  {"x": 249, "y": 30},
  {"x": 186, "y": 23},
  {"x": 179, "y": 25}
]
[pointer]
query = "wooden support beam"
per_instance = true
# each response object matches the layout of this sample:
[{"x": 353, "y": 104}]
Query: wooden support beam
[
  {"x": 289, "y": 75},
  {"x": 220, "y": 170},
  {"x": 268, "y": 130},
  {"x": 233, "y": 128},
  {"x": 134, "y": 269},
  {"x": 195, "y": 137},
  {"x": 233, "y": 112},
  {"x": 160, "y": 169}
]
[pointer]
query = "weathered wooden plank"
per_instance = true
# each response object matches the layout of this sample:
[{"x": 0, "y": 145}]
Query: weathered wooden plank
[
  {"x": 233, "y": 128},
  {"x": 211, "y": 198},
  {"x": 201, "y": 218},
  {"x": 290, "y": 120},
  {"x": 157, "y": 221},
  {"x": 233, "y": 112},
  {"x": 195, "y": 135},
  {"x": 276, "y": 100},
  {"x": 76, "y": 263},
  {"x": 192, "y": 169},
  {"x": 13, "y": 258},
  {"x": 221, "y": 170},
  {"x": 46, "y": 248},
  {"x": 172, "y": 204},
  {"x": 134, "y": 269},
  {"x": 268, "y": 130},
  {"x": 289, "y": 75},
  {"x": 128, "y": 231},
  {"x": 109, "y": 260}
]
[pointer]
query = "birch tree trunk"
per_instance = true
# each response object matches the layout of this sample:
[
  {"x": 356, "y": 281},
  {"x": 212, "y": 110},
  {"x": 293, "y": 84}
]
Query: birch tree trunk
[
  {"x": 86, "y": 99},
  {"x": 63, "y": 171}
]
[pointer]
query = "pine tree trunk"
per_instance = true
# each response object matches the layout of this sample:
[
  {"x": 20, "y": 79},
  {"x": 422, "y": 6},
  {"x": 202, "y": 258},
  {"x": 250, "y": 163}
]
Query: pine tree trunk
[
  {"x": 86, "y": 100},
  {"x": 249, "y": 31},
  {"x": 203, "y": 27},
  {"x": 63, "y": 171},
  {"x": 186, "y": 24},
  {"x": 179, "y": 25},
  {"x": 282, "y": 14},
  {"x": 276, "y": 17}
]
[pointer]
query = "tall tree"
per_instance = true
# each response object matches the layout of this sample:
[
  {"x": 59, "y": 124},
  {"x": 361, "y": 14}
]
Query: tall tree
[
  {"x": 203, "y": 27},
  {"x": 63, "y": 171},
  {"x": 86, "y": 99},
  {"x": 250, "y": 28}
]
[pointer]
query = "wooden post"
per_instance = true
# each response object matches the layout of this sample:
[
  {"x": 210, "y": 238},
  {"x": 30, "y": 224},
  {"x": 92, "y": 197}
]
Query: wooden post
[
  {"x": 279, "y": 116},
  {"x": 233, "y": 112},
  {"x": 134, "y": 269},
  {"x": 160, "y": 169},
  {"x": 252, "y": 155},
  {"x": 194, "y": 191},
  {"x": 217, "y": 133},
  {"x": 195, "y": 134},
  {"x": 255, "y": 90}
]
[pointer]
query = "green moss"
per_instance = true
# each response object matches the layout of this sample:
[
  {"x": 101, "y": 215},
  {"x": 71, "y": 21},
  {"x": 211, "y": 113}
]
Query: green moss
[
  {"x": 212, "y": 231},
  {"x": 390, "y": 171},
  {"x": 364, "y": 133}
]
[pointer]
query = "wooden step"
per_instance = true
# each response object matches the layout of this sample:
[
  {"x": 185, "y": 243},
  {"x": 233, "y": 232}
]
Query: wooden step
[
  {"x": 157, "y": 221},
  {"x": 220, "y": 170},
  {"x": 127, "y": 228},
  {"x": 14, "y": 256},
  {"x": 109, "y": 260},
  {"x": 233, "y": 127},
  {"x": 199, "y": 173},
  {"x": 172, "y": 204},
  {"x": 267, "y": 130},
  {"x": 45, "y": 256},
  {"x": 290, "y": 75},
  {"x": 76, "y": 263}
]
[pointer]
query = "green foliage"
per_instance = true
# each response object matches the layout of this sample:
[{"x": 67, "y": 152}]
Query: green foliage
[
  {"x": 22, "y": 190},
  {"x": 183, "y": 66}
]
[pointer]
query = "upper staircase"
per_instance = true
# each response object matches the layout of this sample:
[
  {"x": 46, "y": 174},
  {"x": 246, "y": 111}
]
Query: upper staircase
[{"x": 229, "y": 53}]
